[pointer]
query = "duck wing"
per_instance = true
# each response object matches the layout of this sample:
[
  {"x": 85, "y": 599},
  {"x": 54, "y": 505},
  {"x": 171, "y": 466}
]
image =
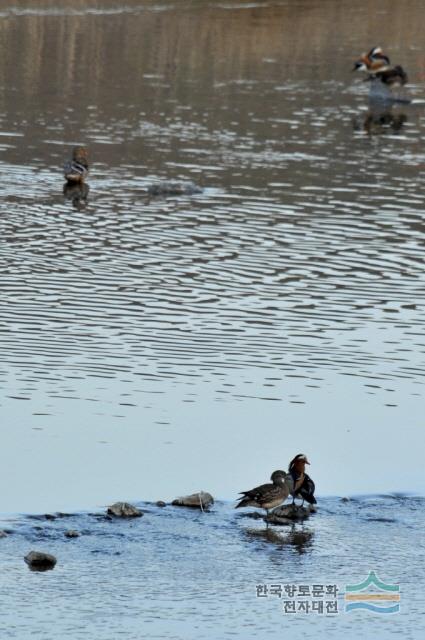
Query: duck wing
[
  {"x": 396, "y": 75},
  {"x": 307, "y": 490},
  {"x": 257, "y": 492}
]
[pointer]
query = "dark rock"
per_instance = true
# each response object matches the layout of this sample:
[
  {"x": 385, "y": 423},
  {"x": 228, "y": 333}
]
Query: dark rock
[
  {"x": 254, "y": 515},
  {"x": 288, "y": 513},
  {"x": 49, "y": 516},
  {"x": 71, "y": 534},
  {"x": 200, "y": 500},
  {"x": 124, "y": 510},
  {"x": 345, "y": 499},
  {"x": 39, "y": 561},
  {"x": 161, "y": 503}
]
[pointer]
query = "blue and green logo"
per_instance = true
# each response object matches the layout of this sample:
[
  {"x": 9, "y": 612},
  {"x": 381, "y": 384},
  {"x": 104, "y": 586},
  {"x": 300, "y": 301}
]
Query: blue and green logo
[{"x": 380, "y": 598}]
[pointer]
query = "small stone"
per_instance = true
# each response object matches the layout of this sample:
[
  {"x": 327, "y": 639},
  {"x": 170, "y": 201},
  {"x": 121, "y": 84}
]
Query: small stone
[
  {"x": 345, "y": 499},
  {"x": 39, "y": 561},
  {"x": 161, "y": 503},
  {"x": 124, "y": 510},
  {"x": 3, "y": 534},
  {"x": 200, "y": 500},
  {"x": 71, "y": 533}
]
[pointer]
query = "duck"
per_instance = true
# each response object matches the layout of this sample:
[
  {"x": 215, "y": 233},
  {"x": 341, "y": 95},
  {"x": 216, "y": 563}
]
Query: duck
[
  {"x": 300, "y": 484},
  {"x": 76, "y": 170},
  {"x": 266, "y": 496},
  {"x": 383, "y": 76}
]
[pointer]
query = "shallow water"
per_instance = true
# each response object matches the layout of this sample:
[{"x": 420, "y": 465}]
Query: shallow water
[{"x": 175, "y": 573}]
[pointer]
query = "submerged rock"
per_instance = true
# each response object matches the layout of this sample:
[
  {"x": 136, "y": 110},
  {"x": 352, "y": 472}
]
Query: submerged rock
[
  {"x": 173, "y": 189},
  {"x": 71, "y": 533},
  {"x": 289, "y": 513},
  {"x": 200, "y": 500},
  {"x": 345, "y": 499},
  {"x": 39, "y": 561},
  {"x": 161, "y": 503},
  {"x": 124, "y": 510},
  {"x": 3, "y": 534}
]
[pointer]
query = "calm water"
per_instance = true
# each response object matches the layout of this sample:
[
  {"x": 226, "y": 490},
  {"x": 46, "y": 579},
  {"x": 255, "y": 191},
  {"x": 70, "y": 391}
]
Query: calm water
[{"x": 151, "y": 347}]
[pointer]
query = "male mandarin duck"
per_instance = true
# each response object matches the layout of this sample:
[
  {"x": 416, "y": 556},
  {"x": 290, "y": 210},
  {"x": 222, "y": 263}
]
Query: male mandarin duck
[
  {"x": 385, "y": 78},
  {"x": 300, "y": 484}
]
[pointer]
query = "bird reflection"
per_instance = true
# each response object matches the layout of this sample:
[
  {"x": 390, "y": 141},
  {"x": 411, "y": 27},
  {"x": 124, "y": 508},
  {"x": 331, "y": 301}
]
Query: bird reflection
[
  {"x": 78, "y": 194},
  {"x": 379, "y": 119},
  {"x": 300, "y": 539}
]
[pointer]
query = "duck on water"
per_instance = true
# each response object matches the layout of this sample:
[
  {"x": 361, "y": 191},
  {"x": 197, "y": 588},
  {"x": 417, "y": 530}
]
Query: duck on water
[
  {"x": 76, "y": 170},
  {"x": 386, "y": 79}
]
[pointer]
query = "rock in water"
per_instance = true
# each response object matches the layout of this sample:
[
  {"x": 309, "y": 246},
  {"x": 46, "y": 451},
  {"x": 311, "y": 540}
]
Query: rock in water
[
  {"x": 39, "y": 561},
  {"x": 124, "y": 510},
  {"x": 200, "y": 500},
  {"x": 288, "y": 513},
  {"x": 173, "y": 189},
  {"x": 161, "y": 503},
  {"x": 3, "y": 534},
  {"x": 71, "y": 533}
]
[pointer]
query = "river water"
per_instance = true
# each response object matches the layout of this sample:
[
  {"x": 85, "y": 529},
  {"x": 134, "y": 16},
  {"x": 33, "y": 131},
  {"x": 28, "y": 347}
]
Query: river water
[{"x": 156, "y": 346}]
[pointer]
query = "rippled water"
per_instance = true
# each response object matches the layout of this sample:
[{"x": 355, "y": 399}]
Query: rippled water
[
  {"x": 178, "y": 574},
  {"x": 155, "y": 346},
  {"x": 146, "y": 339}
]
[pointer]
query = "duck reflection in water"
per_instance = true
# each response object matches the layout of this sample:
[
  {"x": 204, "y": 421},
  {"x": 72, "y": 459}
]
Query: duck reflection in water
[
  {"x": 380, "y": 119},
  {"x": 78, "y": 193},
  {"x": 300, "y": 538}
]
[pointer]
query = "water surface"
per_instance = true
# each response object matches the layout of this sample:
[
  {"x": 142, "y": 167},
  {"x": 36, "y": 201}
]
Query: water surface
[
  {"x": 156, "y": 346},
  {"x": 178, "y": 574}
]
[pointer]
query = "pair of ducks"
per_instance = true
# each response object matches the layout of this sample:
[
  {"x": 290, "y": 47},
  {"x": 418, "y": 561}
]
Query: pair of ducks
[
  {"x": 296, "y": 482},
  {"x": 383, "y": 76}
]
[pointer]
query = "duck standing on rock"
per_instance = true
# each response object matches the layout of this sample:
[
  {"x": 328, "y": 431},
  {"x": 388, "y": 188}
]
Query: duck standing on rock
[
  {"x": 266, "y": 496},
  {"x": 300, "y": 484},
  {"x": 76, "y": 170}
]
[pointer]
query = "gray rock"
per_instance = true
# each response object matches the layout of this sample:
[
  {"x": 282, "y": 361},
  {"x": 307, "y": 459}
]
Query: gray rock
[
  {"x": 161, "y": 503},
  {"x": 124, "y": 510},
  {"x": 200, "y": 500},
  {"x": 3, "y": 534},
  {"x": 39, "y": 561},
  {"x": 71, "y": 533},
  {"x": 288, "y": 513},
  {"x": 173, "y": 189}
]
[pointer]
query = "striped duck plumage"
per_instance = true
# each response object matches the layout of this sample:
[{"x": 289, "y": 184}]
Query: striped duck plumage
[
  {"x": 378, "y": 67},
  {"x": 266, "y": 496},
  {"x": 76, "y": 170}
]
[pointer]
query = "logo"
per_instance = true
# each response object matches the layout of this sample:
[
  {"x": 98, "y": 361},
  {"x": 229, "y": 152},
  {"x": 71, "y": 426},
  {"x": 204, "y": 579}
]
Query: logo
[{"x": 380, "y": 598}]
